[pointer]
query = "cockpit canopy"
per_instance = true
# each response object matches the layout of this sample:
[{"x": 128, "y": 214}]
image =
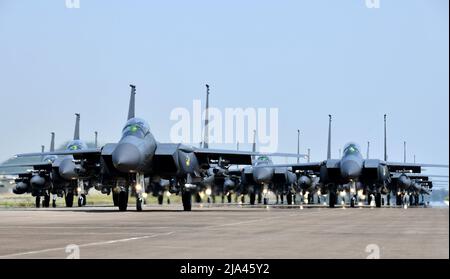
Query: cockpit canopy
[
  {"x": 76, "y": 145},
  {"x": 263, "y": 160},
  {"x": 351, "y": 148},
  {"x": 50, "y": 159},
  {"x": 136, "y": 127}
]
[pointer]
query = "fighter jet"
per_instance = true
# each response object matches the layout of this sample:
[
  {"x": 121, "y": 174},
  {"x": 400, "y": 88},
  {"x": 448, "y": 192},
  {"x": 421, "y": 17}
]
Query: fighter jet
[
  {"x": 220, "y": 181},
  {"x": 138, "y": 155},
  {"x": 35, "y": 179},
  {"x": 361, "y": 177},
  {"x": 263, "y": 176},
  {"x": 57, "y": 175},
  {"x": 414, "y": 185},
  {"x": 224, "y": 180}
]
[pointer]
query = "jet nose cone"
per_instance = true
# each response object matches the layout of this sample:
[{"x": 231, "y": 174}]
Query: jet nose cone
[
  {"x": 37, "y": 181},
  {"x": 67, "y": 170},
  {"x": 304, "y": 181},
  {"x": 228, "y": 184},
  {"x": 404, "y": 181},
  {"x": 350, "y": 169},
  {"x": 126, "y": 157},
  {"x": 262, "y": 175}
]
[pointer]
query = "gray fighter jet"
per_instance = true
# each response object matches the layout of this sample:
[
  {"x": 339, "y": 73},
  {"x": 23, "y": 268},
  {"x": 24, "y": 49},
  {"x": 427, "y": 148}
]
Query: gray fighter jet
[
  {"x": 413, "y": 185},
  {"x": 137, "y": 155},
  {"x": 361, "y": 177},
  {"x": 264, "y": 176},
  {"x": 57, "y": 175}
]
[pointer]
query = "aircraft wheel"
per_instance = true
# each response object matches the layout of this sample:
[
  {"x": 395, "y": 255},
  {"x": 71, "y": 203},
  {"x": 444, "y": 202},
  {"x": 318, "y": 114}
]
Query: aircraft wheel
[
  {"x": 115, "y": 197},
  {"x": 54, "y": 203},
  {"x": 139, "y": 203},
  {"x": 352, "y": 202},
  {"x": 378, "y": 200},
  {"x": 38, "y": 201},
  {"x": 81, "y": 200},
  {"x": 229, "y": 198},
  {"x": 243, "y": 199},
  {"x": 187, "y": 200},
  {"x": 46, "y": 202},
  {"x": 123, "y": 200},
  {"x": 160, "y": 199},
  {"x": 289, "y": 199},
  {"x": 266, "y": 201},
  {"x": 399, "y": 200},
  {"x": 252, "y": 198},
  {"x": 69, "y": 199},
  {"x": 332, "y": 199}
]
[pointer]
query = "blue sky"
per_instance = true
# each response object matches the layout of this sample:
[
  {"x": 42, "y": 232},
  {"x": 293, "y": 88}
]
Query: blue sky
[{"x": 307, "y": 58}]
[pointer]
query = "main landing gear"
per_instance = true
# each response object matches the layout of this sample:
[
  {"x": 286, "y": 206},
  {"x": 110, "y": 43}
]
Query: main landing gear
[
  {"x": 68, "y": 198},
  {"x": 186, "y": 197},
  {"x": 123, "y": 200},
  {"x": 332, "y": 196},
  {"x": 140, "y": 190},
  {"x": 81, "y": 194}
]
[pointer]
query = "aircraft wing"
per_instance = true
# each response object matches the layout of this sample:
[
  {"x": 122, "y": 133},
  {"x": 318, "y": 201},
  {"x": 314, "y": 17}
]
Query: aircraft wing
[
  {"x": 278, "y": 154},
  {"x": 416, "y": 168},
  {"x": 33, "y": 165},
  {"x": 396, "y": 175},
  {"x": 232, "y": 157},
  {"x": 437, "y": 176},
  {"x": 14, "y": 173},
  {"x": 313, "y": 167},
  {"x": 77, "y": 154},
  {"x": 18, "y": 169}
]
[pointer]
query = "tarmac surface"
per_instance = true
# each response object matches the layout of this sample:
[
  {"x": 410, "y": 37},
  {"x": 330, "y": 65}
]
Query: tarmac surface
[{"x": 225, "y": 232}]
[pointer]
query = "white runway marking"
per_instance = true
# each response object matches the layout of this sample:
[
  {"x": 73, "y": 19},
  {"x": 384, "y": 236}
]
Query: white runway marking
[{"x": 86, "y": 245}]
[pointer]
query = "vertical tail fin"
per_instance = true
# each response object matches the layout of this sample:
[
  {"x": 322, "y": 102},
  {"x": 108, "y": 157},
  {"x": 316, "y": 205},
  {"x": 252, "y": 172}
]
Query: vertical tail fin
[
  {"x": 52, "y": 143},
  {"x": 96, "y": 139},
  {"x": 206, "y": 135},
  {"x": 76, "y": 135},
  {"x": 131, "y": 108},
  {"x": 368, "y": 149},
  {"x": 329, "y": 138},
  {"x": 42, "y": 151},
  {"x": 254, "y": 144},
  {"x": 385, "y": 141},
  {"x": 298, "y": 146}
]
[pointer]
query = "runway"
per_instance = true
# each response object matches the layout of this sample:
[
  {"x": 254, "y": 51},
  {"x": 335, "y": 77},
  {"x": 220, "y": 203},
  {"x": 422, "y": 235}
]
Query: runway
[{"x": 225, "y": 232}]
